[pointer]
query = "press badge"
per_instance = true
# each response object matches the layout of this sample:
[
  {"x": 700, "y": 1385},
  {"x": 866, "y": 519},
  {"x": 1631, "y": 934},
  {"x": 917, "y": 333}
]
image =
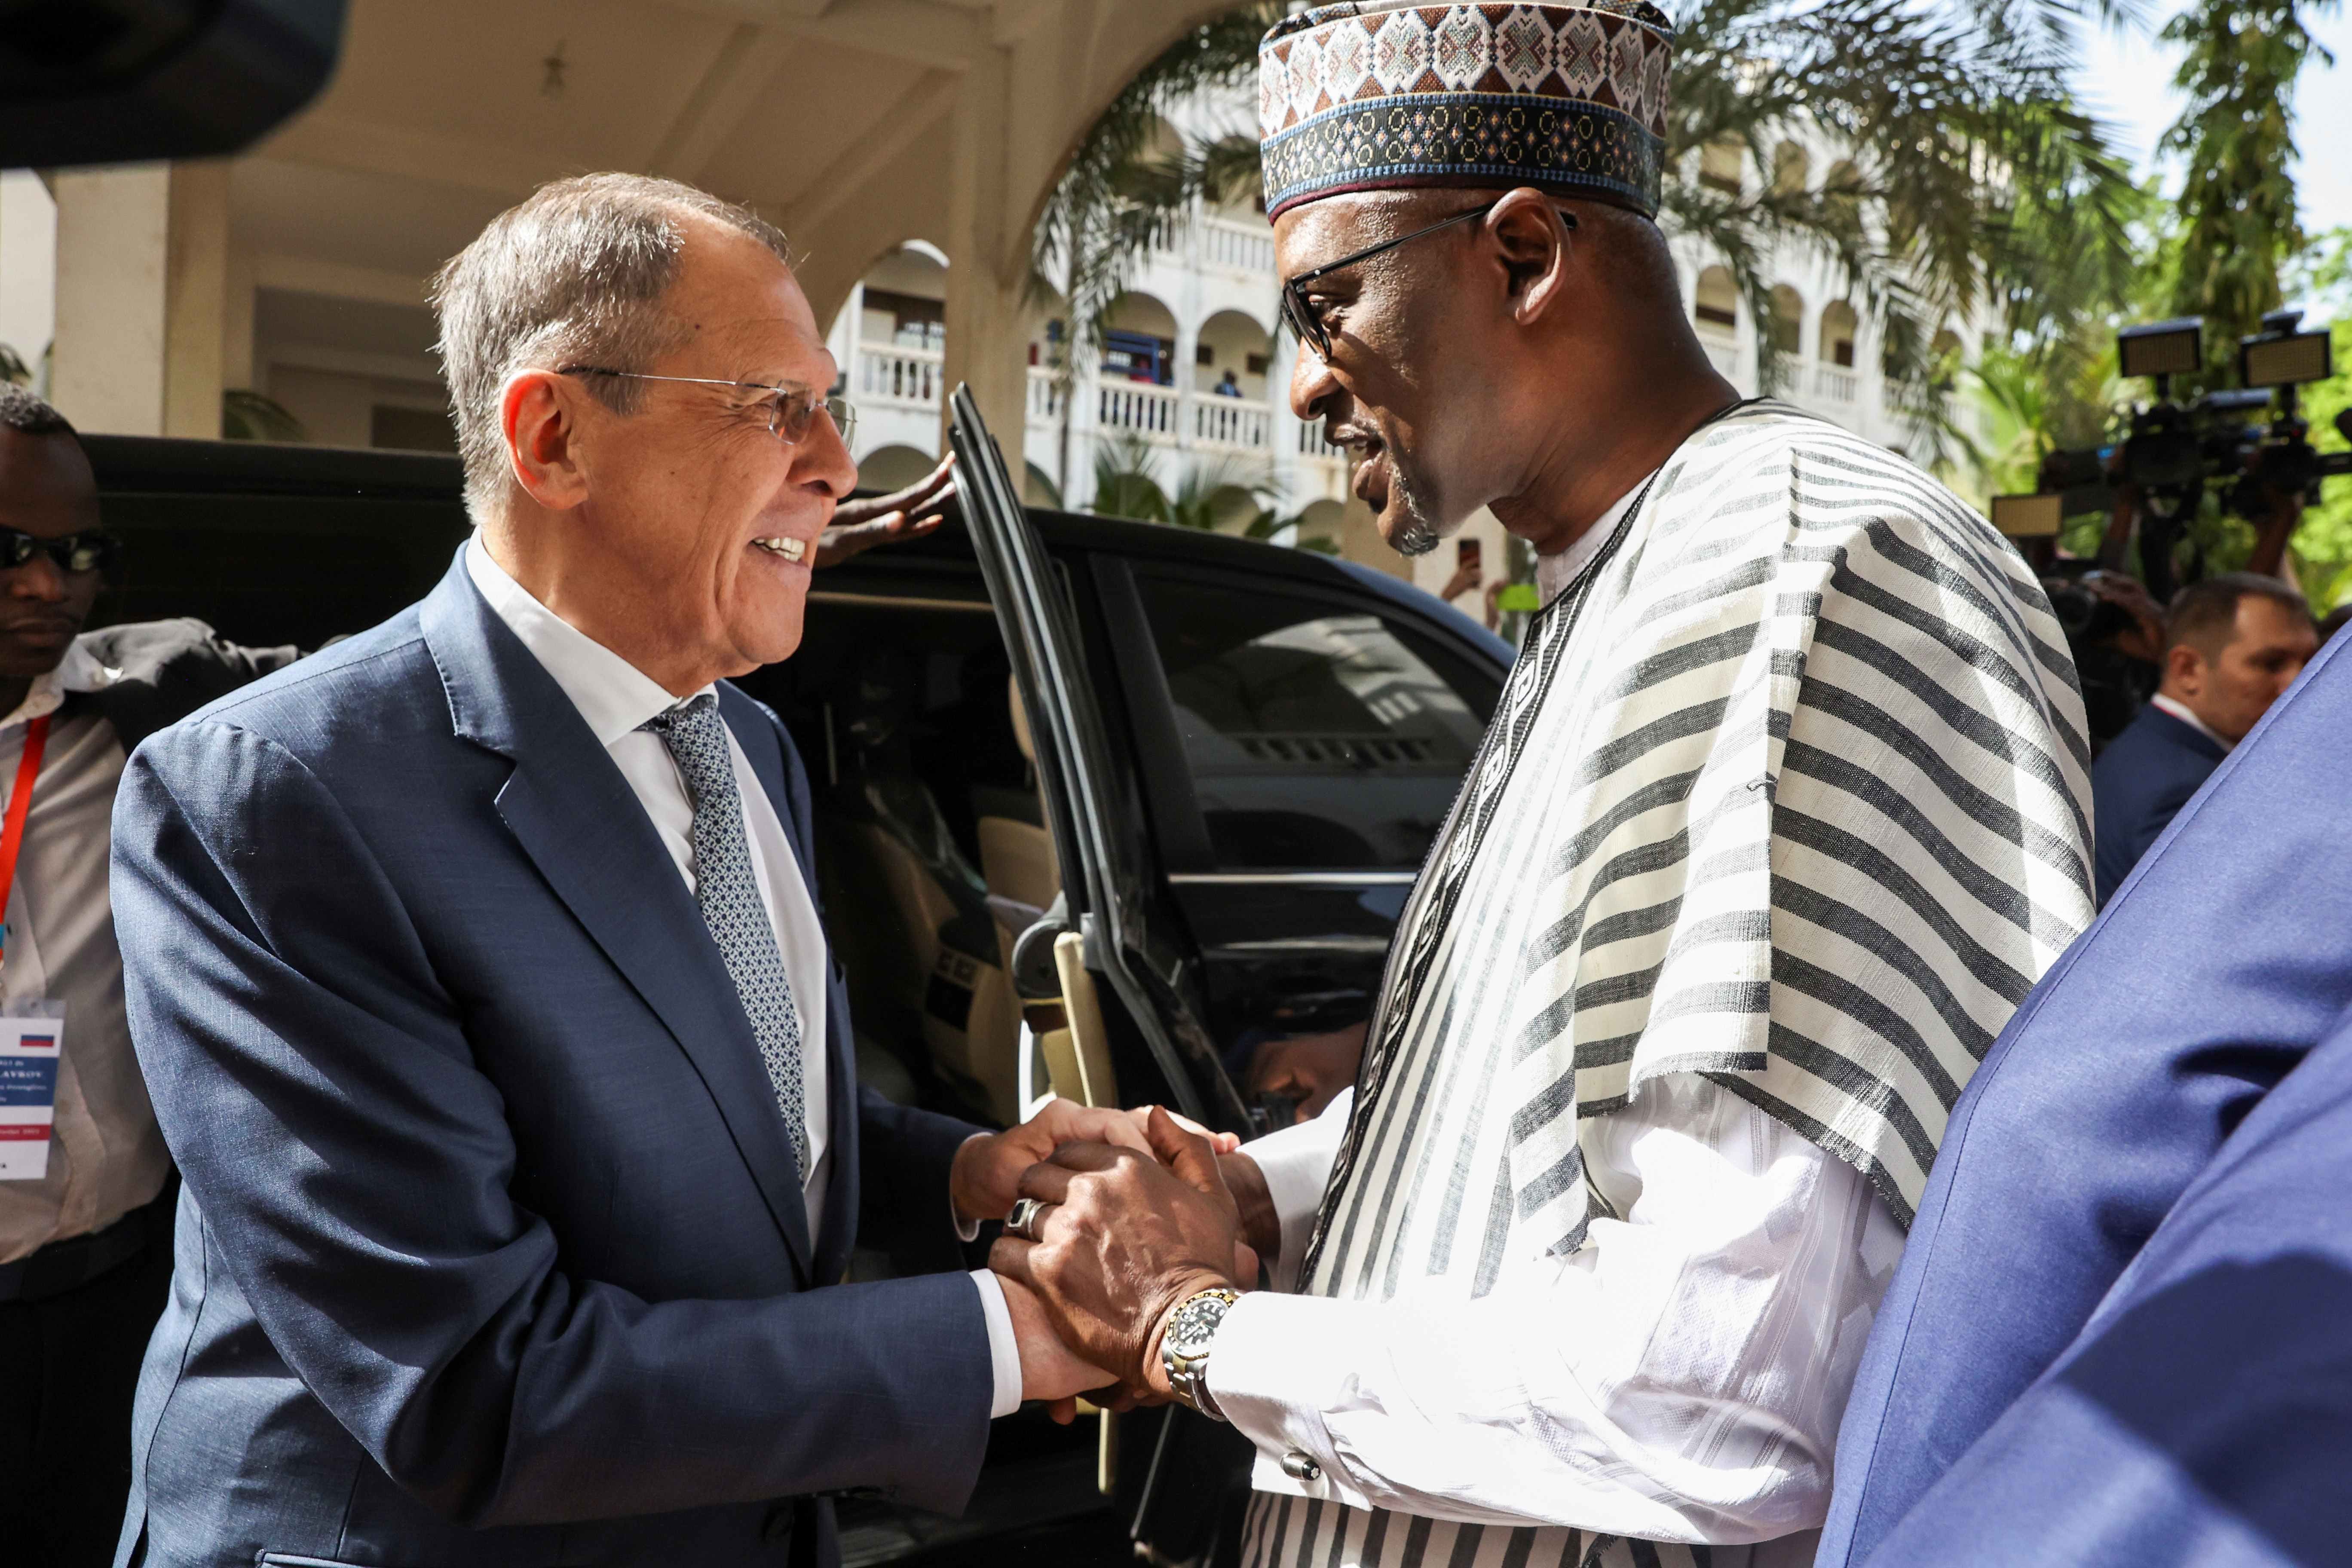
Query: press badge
[{"x": 32, "y": 1041}]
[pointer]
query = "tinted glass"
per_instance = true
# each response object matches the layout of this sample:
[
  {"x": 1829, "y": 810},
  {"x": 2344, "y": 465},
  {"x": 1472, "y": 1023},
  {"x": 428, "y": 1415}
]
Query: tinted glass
[{"x": 1320, "y": 737}]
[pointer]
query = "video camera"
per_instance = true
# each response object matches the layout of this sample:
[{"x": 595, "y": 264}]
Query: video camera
[{"x": 2174, "y": 450}]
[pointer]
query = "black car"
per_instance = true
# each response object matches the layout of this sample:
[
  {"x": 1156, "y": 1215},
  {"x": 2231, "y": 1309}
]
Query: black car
[{"x": 1101, "y": 807}]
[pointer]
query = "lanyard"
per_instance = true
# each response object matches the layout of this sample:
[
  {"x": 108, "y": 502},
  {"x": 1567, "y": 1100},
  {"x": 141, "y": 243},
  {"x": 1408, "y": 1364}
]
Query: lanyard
[{"x": 20, "y": 806}]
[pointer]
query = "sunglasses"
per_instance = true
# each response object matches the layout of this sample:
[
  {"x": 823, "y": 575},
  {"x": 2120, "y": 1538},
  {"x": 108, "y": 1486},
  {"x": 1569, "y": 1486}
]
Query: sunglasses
[
  {"x": 93, "y": 551},
  {"x": 1307, "y": 322},
  {"x": 792, "y": 410}
]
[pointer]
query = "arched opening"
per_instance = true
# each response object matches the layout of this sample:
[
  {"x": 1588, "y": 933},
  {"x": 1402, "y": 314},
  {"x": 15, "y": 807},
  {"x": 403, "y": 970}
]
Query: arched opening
[
  {"x": 1319, "y": 527},
  {"x": 894, "y": 360},
  {"x": 1792, "y": 168},
  {"x": 1140, "y": 341},
  {"x": 1233, "y": 357},
  {"x": 1788, "y": 319},
  {"x": 1716, "y": 301},
  {"x": 1842, "y": 188},
  {"x": 894, "y": 467},
  {"x": 1838, "y": 327},
  {"x": 904, "y": 302},
  {"x": 1718, "y": 167}
]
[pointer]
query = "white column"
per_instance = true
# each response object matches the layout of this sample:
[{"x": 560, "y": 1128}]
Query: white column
[
  {"x": 113, "y": 239},
  {"x": 143, "y": 284},
  {"x": 196, "y": 301},
  {"x": 28, "y": 267},
  {"x": 987, "y": 338}
]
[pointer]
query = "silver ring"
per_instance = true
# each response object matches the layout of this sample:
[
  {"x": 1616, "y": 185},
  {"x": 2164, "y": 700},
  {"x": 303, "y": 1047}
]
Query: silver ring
[{"x": 1027, "y": 1215}]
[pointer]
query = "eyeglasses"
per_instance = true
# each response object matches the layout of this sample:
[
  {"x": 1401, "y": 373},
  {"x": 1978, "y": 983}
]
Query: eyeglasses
[
  {"x": 1308, "y": 323},
  {"x": 92, "y": 550},
  {"x": 790, "y": 409}
]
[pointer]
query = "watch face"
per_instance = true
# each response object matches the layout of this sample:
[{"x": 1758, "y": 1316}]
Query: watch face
[{"x": 1194, "y": 1323}]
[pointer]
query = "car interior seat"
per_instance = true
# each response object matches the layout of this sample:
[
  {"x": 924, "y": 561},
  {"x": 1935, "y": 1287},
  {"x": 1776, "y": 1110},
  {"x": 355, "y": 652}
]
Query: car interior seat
[
  {"x": 1024, "y": 877},
  {"x": 929, "y": 933}
]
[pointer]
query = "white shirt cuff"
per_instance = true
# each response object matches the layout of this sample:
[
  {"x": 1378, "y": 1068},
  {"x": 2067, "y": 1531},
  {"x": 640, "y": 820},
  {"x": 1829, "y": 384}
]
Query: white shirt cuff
[
  {"x": 1004, "y": 1348},
  {"x": 966, "y": 1229},
  {"x": 1297, "y": 1164}
]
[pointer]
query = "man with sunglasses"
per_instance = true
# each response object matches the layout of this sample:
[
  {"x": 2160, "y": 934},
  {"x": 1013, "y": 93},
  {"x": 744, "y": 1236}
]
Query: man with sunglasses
[
  {"x": 1781, "y": 812},
  {"x": 477, "y": 969},
  {"x": 85, "y": 1223}
]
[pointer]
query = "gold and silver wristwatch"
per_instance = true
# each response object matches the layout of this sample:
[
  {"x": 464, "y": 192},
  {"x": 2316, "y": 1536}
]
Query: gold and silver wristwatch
[{"x": 1184, "y": 1347}]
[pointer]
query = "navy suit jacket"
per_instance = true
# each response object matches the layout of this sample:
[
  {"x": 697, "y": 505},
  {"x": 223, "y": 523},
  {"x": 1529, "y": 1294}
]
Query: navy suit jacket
[
  {"x": 2204, "y": 1416},
  {"x": 491, "y": 1250},
  {"x": 2221, "y": 962},
  {"x": 2139, "y": 785}
]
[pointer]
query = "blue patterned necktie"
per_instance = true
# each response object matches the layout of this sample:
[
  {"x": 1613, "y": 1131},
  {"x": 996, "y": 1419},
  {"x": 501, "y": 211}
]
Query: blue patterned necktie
[{"x": 729, "y": 893}]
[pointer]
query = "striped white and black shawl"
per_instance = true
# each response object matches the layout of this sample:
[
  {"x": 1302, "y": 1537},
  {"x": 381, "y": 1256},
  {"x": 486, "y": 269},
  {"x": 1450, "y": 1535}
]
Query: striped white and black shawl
[{"x": 1790, "y": 787}]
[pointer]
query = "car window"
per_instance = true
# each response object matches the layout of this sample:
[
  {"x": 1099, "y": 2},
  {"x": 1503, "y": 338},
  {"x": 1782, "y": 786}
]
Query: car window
[{"x": 1320, "y": 736}]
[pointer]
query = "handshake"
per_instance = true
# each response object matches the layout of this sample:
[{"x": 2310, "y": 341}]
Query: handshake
[{"x": 1134, "y": 1212}]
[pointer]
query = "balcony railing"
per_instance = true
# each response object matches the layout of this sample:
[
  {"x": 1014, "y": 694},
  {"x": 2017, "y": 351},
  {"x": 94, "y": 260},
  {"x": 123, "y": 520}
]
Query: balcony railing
[
  {"x": 1044, "y": 395},
  {"x": 1834, "y": 382},
  {"x": 905, "y": 378},
  {"x": 1231, "y": 422},
  {"x": 1312, "y": 445},
  {"x": 1148, "y": 411},
  {"x": 1245, "y": 247},
  {"x": 1722, "y": 352}
]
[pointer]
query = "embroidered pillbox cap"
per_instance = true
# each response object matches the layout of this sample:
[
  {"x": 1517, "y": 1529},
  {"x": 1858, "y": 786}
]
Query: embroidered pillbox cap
[{"x": 1375, "y": 95}]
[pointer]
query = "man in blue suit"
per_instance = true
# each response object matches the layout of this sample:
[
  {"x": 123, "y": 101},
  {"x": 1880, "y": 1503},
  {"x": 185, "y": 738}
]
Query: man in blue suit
[
  {"x": 484, "y": 1004},
  {"x": 2104, "y": 1343},
  {"x": 2231, "y": 645}
]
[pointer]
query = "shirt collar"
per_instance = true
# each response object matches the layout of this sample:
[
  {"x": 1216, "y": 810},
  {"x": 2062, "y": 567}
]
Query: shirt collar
[
  {"x": 1555, "y": 573},
  {"x": 2180, "y": 710},
  {"x": 612, "y": 694},
  {"x": 80, "y": 671}
]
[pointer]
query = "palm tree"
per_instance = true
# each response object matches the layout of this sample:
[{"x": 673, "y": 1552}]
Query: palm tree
[{"x": 1973, "y": 176}]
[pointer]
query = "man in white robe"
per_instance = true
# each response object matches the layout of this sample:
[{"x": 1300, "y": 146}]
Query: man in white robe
[{"x": 1783, "y": 810}]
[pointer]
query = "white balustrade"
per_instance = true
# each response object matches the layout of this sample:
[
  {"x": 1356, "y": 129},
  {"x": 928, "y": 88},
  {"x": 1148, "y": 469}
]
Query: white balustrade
[
  {"x": 1231, "y": 422},
  {"x": 1834, "y": 382},
  {"x": 1312, "y": 445},
  {"x": 1148, "y": 411},
  {"x": 1245, "y": 247},
  {"x": 908, "y": 378},
  {"x": 1723, "y": 353},
  {"x": 1044, "y": 394}
]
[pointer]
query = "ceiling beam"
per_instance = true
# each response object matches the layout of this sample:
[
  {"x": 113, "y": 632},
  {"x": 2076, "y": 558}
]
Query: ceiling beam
[
  {"x": 924, "y": 32},
  {"x": 738, "y": 76},
  {"x": 334, "y": 141},
  {"x": 917, "y": 110},
  {"x": 336, "y": 281}
]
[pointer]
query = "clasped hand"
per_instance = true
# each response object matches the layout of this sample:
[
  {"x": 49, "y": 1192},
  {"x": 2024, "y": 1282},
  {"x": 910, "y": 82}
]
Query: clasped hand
[{"x": 1139, "y": 1218}]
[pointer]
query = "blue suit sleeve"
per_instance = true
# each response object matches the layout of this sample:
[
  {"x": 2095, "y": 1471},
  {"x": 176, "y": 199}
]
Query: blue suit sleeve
[
  {"x": 2199, "y": 988},
  {"x": 352, "y": 1163},
  {"x": 2198, "y": 1418}
]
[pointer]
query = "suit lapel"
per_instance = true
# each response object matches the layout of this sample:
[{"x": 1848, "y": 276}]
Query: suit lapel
[
  {"x": 577, "y": 819},
  {"x": 764, "y": 747}
]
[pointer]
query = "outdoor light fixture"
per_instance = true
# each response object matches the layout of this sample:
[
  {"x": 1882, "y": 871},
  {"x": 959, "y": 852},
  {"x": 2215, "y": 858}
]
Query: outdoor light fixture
[
  {"x": 2162, "y": 347},
  {"x": 2028, "y": 517}
]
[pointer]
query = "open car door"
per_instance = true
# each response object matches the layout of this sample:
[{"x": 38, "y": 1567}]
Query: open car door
[
  {"x": 1126, "y": 1016},
  {"x": 1117, "y": 971}
]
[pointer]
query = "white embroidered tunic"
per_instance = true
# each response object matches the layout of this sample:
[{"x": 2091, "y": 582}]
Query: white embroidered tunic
[{"x": 1783, "y": 812}]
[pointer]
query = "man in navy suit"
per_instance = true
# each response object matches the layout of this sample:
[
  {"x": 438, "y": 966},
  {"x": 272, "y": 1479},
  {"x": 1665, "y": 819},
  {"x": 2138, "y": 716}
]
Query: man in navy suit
[
  {"x": 2232, "y": 644},
  {"x": 483, "y": 1000},
  {"x": 2118, "y": 1331}
]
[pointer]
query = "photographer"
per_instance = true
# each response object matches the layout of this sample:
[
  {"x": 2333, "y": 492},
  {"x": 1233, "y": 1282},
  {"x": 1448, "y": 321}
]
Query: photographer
[{"x": 2232, "y": 644}]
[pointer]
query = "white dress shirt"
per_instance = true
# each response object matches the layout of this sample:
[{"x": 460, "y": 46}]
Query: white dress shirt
[
  {"x": 616, "y": 698},
  {"x": 1680, "y": 1378},
  {"x": 2182, "y": 712},
  {"x": 106, "y": 1154}
]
